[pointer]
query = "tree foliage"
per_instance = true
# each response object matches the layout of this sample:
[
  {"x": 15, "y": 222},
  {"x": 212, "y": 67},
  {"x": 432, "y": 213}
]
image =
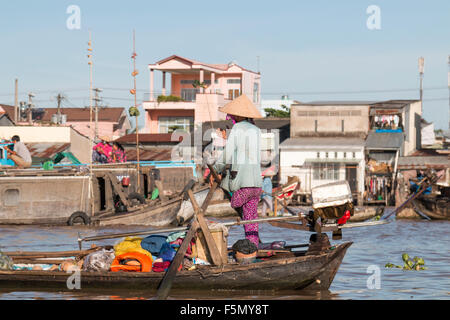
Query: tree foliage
[{"x": 277, "y": 113}]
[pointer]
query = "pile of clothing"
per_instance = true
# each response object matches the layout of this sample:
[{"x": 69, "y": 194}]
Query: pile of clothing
[
  {"x": 134, "y": 254},
  {"x": 154, "y": 253}
]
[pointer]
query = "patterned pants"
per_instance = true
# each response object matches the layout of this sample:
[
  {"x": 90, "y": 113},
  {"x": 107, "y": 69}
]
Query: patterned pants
[{"x": 247, "y": 199}]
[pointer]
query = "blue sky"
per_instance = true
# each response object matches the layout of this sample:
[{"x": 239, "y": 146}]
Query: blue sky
[{"x": 311, "y": 50}]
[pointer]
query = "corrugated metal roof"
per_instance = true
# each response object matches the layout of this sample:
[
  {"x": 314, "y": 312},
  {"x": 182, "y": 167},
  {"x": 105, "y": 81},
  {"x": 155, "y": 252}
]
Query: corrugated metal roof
[
  {"x": 153, "y": 154},
  {"x": 149, "y": 138},
  {"x": 384, "y": 140},
  {"x": 423, "y": 162},
  {"x": 46, "y": 150},
  {"x": 336, "y": 103}
]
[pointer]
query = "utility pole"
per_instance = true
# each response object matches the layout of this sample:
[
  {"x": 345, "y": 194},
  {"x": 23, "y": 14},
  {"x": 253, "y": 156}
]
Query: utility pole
[
  {"x": 421, "y": 71},
  {"x": 96, "y": 99},
  {"x": 448, "y": 83},
  {"x": 59, "y": 98},
  {"x": 16, "y": 101},
  {"x": 90, "y": 63},
  {"x": 30, "y": 106}
]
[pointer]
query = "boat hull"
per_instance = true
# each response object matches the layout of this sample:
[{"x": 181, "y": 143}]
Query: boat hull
[
  {"x": 306, "y": 272},
  {"x": 433, "y": 208},
  {"x": 160, "y": 215}
]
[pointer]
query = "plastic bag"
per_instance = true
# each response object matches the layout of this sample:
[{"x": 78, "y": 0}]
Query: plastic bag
[
  {"x": 99, "y": 260},
  {"x": 6, "y": 263}
]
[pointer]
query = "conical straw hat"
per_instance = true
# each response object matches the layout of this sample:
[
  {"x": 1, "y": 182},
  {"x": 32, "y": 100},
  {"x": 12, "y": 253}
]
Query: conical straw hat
[{"x": 241, "y": 106}]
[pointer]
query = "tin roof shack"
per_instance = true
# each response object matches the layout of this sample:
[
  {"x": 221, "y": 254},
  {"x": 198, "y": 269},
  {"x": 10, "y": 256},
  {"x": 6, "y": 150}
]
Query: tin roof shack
[
  {"x": 326, "y": 144},
  {"x": 398, "y": 116},
  {"x": 152, "y": 146},
  {"x": 45, "y": 142},
  {"x": 395, "y": 131}
]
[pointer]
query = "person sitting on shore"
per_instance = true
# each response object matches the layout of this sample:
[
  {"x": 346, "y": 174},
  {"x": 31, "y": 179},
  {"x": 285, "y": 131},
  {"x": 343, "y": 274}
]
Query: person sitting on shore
[{"x": 20, "y": 155}]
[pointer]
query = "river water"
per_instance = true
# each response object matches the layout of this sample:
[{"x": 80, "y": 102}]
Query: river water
[{"x": 357, "y": 278}]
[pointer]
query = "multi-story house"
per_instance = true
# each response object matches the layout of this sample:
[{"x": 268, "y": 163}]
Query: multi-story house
[
  {"x": 190, "y": 104},
  {"x": 334, "y": 140}
]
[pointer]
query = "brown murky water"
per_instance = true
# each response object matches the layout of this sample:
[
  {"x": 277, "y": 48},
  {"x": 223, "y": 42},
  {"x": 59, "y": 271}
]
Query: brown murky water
[{"x": 372, "y": 247}]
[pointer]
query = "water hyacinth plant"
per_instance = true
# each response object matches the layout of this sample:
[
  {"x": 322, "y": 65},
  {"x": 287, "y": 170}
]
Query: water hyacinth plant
[{"x": 416, "y": 263}]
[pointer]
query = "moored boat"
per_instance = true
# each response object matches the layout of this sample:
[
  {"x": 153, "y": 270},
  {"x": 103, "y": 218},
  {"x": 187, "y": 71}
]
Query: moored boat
[
  {"x": 110, "y": 195},
  {"x": 433, "y": 206},
  {"x": 289, "y": 271}
]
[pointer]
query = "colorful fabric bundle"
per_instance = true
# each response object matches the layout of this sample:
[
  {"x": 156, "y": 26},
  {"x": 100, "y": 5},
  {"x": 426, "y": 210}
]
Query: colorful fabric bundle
[{"x": 161, "y": 266}]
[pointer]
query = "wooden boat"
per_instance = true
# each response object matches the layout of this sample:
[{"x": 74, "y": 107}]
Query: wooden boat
[
  {"x": 157, "y": 213},
  {"x": 433, "y": 206},
  {"x": 69, "y": 196},
  {"x": 366, "y": 213},
  {"x": 294, "y": 270}
]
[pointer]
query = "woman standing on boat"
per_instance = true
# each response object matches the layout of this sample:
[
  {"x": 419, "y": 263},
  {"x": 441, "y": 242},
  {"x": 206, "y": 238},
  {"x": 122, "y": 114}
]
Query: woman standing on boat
[{"x": 241, "y": 162}]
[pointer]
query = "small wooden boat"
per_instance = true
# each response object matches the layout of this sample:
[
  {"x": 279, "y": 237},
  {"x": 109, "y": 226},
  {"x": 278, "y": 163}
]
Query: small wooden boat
[
  {"x": 433, "y": 206},
  {"x": 366, "y": 213},
  {"x": 294, "y": 270},
  {"x": 156, "y": 214},
  {"x": 111, "y": 195}
]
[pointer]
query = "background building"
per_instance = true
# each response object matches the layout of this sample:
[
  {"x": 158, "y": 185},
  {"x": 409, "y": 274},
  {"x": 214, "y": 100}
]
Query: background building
[{"x": 189, "y": 104}]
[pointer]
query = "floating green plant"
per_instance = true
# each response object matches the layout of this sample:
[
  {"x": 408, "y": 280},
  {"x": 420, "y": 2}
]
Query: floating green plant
[{"x": 416, "y": 263}]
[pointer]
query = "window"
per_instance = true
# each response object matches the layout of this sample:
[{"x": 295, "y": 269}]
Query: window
[
  {"x": 233, "y": 81},
  {"x": 326, "y": 171},
  {"x": 315, "y": 125},
  {"x": 189, "y": 94},
  {"x": 318, "y": 155},
  {"x": 256, "y": 92},
  {"x": 345, "y": 155},
  {"x": 354, "y": 155},
  {"x": 11, "y": 197},
  {"x": 170, "y": 124},
  {"x": 233, "y": 94},
  {"x": 342, "y": 125},
  {"x": 335, "y": 155}
]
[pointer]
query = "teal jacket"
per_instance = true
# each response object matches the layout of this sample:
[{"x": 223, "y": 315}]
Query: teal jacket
[{"x": 242, "y": 154}]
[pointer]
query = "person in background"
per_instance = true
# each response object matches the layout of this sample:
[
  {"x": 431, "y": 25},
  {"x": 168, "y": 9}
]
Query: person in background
[
  {"x": 102, "y": 151},
  {"x": 21, "y": 155},
  {"x": 117, "y": 153},
  {"x": 241, "y": 162},
  {"x": 266, "y": 196}
]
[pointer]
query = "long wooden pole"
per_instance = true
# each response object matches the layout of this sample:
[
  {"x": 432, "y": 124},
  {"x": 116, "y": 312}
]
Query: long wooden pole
[
  {"x": 135, "y": 105},
  {"x": 161, "y": 231}
]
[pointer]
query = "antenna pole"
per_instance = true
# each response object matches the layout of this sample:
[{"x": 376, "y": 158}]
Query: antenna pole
[
  {"x": 448, "y": 83},
  {"x": 30, "y": 105},
  {"x": 96, "y": 99},
  {"x": 16, "y": 101},
  {"x": 90, "y": 63}
]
